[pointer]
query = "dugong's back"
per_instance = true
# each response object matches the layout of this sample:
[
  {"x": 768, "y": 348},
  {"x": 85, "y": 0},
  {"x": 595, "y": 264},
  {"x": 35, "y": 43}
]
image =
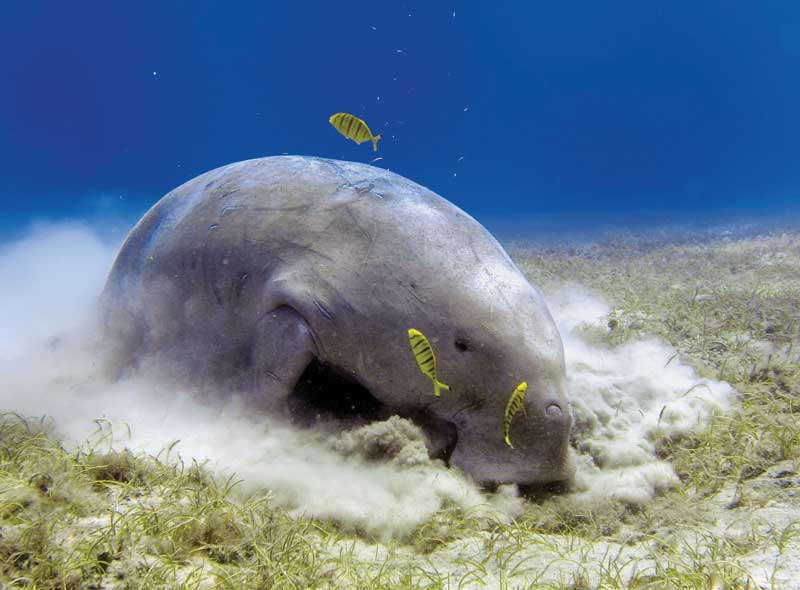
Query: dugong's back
[
  {"x": 203, "y": 263},
  {"x": 280, "y": 205}
]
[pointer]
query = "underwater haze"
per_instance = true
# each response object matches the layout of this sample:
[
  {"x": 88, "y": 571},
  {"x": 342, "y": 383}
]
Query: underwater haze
[{"x": 551, "y": 116}]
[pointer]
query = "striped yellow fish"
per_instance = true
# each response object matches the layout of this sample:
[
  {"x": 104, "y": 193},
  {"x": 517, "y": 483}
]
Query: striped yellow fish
[
  {"x": 354, "y": 128},
  {"x": 513, "y": 406},
  {"x": 425, "y": 359}
]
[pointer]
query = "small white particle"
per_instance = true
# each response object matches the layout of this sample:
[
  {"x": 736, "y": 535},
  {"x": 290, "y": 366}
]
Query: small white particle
[
  {"x": 374, "y": 28},
  {"x": 454, "y": 14},
  {"x": 454, "y": 174},
  {"x": 466, "y": 109},
  {"x": 154, "y": 73},
  {"x": 399, "y": 51},
  {"x": 460, "y": 158},
  {"x": 378, "y": 99}
]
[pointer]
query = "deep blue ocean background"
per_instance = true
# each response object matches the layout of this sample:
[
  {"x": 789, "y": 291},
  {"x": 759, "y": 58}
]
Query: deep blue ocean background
[{"x": 532, "y": 116}]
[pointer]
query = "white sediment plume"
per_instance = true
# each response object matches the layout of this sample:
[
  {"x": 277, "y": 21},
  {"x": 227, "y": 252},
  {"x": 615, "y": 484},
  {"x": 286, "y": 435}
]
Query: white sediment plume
[
  {"x": 623, "y": 396},
  {"x": 50, "y": 280},
  {"x": 47, "y": 367}
]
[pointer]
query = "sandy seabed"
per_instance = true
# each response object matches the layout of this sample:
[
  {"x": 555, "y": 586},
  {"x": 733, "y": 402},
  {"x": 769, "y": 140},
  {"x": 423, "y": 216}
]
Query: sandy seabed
[{"x": 682, "y": 361}]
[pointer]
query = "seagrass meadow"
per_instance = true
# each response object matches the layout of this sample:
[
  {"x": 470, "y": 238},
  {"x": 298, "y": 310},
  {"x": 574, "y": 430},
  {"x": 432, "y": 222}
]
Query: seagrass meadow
[{"x": 91, "y": 513}]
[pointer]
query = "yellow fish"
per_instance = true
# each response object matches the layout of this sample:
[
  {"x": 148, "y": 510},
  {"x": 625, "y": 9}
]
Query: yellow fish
[
  {"x": 425, "y": 359},
  {"x": 513, "y": 406},
  {"x": 354, "y": 128}
]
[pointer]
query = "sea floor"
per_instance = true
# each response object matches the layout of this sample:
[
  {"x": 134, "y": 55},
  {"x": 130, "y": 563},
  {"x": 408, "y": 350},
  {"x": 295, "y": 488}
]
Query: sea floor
[{"x": 683, "y": 353}]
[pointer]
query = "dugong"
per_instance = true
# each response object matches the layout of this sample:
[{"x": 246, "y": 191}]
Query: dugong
[{"x": 259, "y": 275}]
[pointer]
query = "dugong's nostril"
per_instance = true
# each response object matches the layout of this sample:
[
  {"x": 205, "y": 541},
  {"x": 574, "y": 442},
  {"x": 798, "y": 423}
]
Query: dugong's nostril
[{"x": 554, "y": 411}]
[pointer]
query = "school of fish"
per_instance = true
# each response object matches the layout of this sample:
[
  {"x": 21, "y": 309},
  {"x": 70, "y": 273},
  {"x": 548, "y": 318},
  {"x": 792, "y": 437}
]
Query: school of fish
[{"x": 356, "y": 129}]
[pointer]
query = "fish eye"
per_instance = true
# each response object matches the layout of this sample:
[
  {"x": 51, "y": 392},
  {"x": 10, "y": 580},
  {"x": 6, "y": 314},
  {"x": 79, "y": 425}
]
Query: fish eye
[{"x": 461, "y": 344}]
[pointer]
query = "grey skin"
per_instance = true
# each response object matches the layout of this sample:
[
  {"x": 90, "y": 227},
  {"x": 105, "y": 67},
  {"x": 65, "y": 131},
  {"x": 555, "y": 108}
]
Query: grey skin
[{"x": 244, "y": 275}]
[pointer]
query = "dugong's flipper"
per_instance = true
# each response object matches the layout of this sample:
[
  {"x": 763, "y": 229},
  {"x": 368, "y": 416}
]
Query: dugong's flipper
[{"x": 282, "y": 349}]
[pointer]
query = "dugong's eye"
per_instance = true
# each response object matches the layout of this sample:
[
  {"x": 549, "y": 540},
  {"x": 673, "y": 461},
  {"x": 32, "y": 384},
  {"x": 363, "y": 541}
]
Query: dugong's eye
[{"x": 461, "y": 344}]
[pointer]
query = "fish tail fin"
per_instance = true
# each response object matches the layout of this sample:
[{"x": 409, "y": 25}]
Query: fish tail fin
[
  {"x": 438, "y": 386},
  {"x": 375, "y": 142},
  {"x": 508, "y": 442}
]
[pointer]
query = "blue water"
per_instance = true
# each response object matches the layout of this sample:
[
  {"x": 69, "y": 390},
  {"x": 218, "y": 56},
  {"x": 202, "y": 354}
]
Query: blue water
[{"x": 561, "y": 113}]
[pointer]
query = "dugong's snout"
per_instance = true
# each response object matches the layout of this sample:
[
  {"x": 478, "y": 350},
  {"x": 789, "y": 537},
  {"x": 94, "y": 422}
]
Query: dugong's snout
[{"x": 540, "y": 438}]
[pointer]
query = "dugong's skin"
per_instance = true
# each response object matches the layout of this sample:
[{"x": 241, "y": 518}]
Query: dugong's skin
[{"x": 245, "y": 274}]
